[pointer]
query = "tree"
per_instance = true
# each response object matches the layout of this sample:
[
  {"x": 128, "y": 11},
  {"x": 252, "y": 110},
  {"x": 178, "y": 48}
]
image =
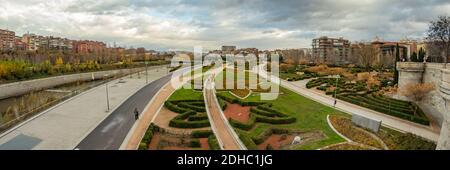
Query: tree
[
  {"x": 367, "y": 54},
  {"x": 418, "y": 91},
  {"x": 414, "y": 57},
  {"x": 397, "y": 58},
  {"x": 439, "y": 34},
  {"x": 421, "y": 55}
]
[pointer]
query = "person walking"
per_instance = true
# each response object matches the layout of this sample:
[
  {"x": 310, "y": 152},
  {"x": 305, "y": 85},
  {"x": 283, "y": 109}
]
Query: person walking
[
  {"x": 136, "y": 114},
  {"x": 335, "y": 101}
]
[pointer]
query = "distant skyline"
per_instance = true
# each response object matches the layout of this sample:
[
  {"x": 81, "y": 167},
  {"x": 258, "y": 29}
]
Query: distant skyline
[{"x": 181, "y": 25}]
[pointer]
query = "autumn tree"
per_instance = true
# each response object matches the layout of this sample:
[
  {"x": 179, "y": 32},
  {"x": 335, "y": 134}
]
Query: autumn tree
[
  {"x": 366, "y": 55},
  {"x": 418, "y": 91},
  {"x": 439, "y": 35}
]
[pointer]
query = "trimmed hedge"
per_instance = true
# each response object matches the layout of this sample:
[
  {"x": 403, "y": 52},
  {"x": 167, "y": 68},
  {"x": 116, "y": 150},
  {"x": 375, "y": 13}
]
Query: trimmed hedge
[
  {"x": 270, "y": 109},
  {"x": 246, "y": 140},
  {"x": 197, "y": 117},
  {"x": 244, "y": 126},
  {"x": 192, "y": 107},
  {"x": 222, "y": 104},
  {"x": 173, "y": 107},
  {"x": 188, "y": 124},
  {"x": 201, "y": 133},
  {"x": 383, "y": 109},
  {"x": 184, "y": 115},
  {"x": 213, "y": 143},
  {"x": 148, "y": 137},
  {"x": 238, "y": 101},
  {"x": 276, "y": 120},
  {"x": 195, "y": 143},
  {"x": 260, "y": 138}
]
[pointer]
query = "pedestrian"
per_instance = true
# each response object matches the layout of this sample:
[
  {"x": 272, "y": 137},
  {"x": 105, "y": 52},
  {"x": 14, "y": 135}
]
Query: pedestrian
[
  {"x": 136, "y": 114},
  {"x": 335, "y": 101}
]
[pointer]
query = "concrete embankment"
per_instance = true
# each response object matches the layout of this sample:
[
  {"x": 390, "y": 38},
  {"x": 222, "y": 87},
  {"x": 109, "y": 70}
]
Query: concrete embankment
[{"x": 23, "y": 87}]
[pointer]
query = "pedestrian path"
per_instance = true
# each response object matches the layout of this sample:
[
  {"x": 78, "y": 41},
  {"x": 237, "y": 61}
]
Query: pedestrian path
[{"x": 66, "y": 124}]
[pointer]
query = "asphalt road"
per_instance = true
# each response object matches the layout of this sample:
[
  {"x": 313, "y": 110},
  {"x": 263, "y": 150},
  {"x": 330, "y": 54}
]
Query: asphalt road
[{"x": 111, "y": 132}]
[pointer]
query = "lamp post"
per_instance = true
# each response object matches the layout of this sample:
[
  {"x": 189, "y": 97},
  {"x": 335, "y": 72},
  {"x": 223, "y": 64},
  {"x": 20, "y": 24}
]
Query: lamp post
[
  {"x": 107, "y": 95},
  {"x": 146, "y": 72},
  {"x": 335, "y": 91}
]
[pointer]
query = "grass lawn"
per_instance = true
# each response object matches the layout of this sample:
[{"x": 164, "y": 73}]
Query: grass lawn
[
  {"x": 310, "y": 116},
  {"x": 186, "y": 94}
]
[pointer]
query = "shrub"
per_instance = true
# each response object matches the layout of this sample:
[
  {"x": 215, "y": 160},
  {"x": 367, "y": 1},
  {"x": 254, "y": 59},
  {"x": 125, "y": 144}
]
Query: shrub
[
  {"x": 197, "y": 117},
  {"x": 246, "y": 140},
  {"x": 260, "y": 138},
  {"x": 244, "y": 126},
  {"x": 213, "y": 143},
  {"x": 143, "y": 146},
  {"x": 192, "y": 107},
  {"x": 173, "y": 107},
  {"x": 201, "y": 133},
  {"x": 195, "y": 143},
  {"x": 276, "y": 120},
  {"x": 188, "y": 124}
]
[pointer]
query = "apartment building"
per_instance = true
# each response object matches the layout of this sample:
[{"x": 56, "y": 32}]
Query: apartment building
[
  {"x": 228, "y": 49},
  {"x": 87, "y": 46},
  {"x": 32, "y": 41},
  {"x": 330, "y": 50},
  {"x": 7, "y": 39}
]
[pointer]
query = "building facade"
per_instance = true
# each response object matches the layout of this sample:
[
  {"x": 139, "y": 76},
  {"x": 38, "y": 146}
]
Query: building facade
[
  {"x": 7, "y": 39},
  {"x": 228, "y": 49},
  {"x": 87, "y": 46},
  {"x": 331, "y": 50}
]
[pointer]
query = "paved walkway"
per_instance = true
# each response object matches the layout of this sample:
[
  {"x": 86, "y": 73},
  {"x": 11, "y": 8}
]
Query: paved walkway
[
  {"x": 224, "y": 132},
  {"x": 152, "y": 110},
  {"x": 390, "y": 121},
  {"x": 66, "y": 124}
]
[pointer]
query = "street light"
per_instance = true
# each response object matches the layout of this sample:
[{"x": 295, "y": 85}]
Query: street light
[
  {"x": 107, "y": 95},
  {"x": 335, "y": 91},
  {"x": 146, "y": 72}
]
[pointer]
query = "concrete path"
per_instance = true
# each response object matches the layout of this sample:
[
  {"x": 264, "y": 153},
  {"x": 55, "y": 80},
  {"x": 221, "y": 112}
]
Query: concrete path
[
  {"x": 66, "y": 124},
  {"x": 390, "y": 121},
  {"x": 153, "y": 108},
  {"x": 111, "y": 132},
  {"x": 225, "y": 134}
]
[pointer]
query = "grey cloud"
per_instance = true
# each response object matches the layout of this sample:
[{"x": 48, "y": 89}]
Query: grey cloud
[{"x": 252, "y": 23}]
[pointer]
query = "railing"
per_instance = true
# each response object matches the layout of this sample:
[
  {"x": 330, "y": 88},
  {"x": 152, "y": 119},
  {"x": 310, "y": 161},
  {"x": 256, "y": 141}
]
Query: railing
[
  {"x": 31, "y": 112},
  {"x": 222, "y": 115}
]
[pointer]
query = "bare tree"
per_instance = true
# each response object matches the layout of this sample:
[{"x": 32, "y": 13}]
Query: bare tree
[
  {"x": 439, "y": 35},
  {"x": 417, "y": 91},
  {"x": 367, "y": 55}
]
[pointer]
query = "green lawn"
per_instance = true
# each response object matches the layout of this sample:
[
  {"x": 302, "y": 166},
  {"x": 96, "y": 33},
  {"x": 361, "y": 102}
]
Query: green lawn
[
  {"x": 186, "y": 94},
  {"x": 310, "y": 116}
]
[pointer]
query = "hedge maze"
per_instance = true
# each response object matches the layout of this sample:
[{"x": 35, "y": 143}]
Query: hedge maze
[
  {"x": 264, "y": 114},
  {"x": 402, "y": 109},
  {"x": 261, "y": 112},
  {"x": 191, "y": 113},
  {"x": 358, "y": 93}
]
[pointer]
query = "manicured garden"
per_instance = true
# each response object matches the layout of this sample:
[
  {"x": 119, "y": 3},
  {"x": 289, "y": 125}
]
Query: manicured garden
[
  {"x": 157, "y": 138},
  {"x": 385, "y": 138},
  {"x": 290, "y": 113},
  {"x": 360, "y": 93},
  {"x": 190, "y": 106}
]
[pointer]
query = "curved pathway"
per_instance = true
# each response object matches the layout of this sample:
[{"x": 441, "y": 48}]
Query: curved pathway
[
  {"x": 390, "y": 121},
  {"x": 228, "y": 139}
]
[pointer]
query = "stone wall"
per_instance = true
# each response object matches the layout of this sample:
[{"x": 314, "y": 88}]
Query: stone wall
[
  {"x": 23, "y": 87},
  {"x": 437, "y": 102}
]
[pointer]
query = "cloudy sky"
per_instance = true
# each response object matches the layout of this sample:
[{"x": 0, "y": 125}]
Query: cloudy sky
[{"x": 171, "y": 24}]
